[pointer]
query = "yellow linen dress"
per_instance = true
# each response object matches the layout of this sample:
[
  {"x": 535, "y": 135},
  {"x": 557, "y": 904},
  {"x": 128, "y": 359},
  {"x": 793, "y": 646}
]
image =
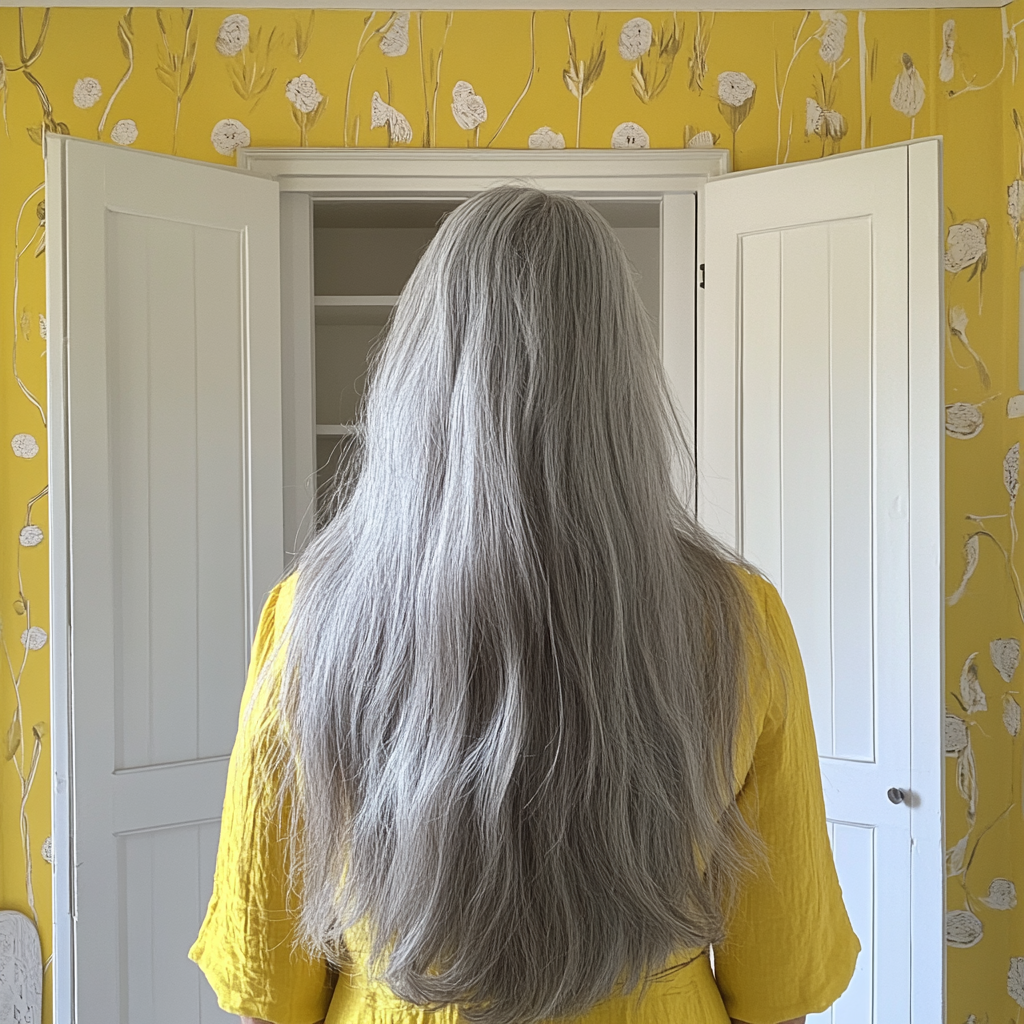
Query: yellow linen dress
[{"x": 789, "y": 948}]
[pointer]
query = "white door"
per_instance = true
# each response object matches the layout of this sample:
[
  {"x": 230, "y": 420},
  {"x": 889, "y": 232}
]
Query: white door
[
  {"x": 820, "y": 446},
  {"x": 166, "y": 525}
]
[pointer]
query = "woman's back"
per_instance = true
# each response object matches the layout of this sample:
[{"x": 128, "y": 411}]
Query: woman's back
[{"x": 517, "y": 675}]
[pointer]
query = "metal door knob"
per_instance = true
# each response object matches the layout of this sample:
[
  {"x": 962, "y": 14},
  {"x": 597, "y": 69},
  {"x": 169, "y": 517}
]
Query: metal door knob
[{"x": 896, "y": 795}]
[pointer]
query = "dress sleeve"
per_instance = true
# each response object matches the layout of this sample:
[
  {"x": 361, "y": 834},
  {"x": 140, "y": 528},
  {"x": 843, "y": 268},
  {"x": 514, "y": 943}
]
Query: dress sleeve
[
  {"x": 246, "y": 944},
  {"x": 789, "y": 948}
]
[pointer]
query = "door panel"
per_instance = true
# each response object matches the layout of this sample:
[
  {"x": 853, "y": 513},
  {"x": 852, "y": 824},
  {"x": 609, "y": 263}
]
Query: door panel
[
  {"x": 165, "y": 291},
  {"x": 807, "y": 468}
]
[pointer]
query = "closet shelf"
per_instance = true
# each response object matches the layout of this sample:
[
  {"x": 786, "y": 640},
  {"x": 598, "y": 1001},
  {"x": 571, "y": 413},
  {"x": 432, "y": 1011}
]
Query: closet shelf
[
  {"x": 336, "y": 429},
  {"x": 368, "y": 310}
]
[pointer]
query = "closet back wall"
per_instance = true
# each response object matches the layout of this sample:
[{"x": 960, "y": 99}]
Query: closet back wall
[{"x": 771, "y": 86}]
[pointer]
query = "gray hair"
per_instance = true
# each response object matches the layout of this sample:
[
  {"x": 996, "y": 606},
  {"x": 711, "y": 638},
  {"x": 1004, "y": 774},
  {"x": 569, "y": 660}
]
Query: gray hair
[{"x": 515, "y": 663}]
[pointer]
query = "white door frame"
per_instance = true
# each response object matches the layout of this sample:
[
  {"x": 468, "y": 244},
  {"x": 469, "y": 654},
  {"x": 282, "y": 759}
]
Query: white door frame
[{"x": 671, "y": 176}]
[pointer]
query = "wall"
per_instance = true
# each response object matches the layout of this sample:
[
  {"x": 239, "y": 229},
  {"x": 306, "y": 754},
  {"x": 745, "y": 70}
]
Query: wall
[{"x": 797, "y": 85}]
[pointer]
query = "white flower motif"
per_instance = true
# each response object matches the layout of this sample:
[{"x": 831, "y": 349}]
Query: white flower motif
[
  {"x": 47, "y": 850},
  {"x": 1011, "y": 715},
  {"x": 833, "y": 38},
  {"x": 955, "y": 734},
  {"x": 971, "y": 693},
  {"x": 1005, "y": 655},
  {"x": 233, "y": 35},
  {"x": 963, "y": 929},
  {"x": 42, "y": 327},
  {"x": 702, "y": 140},
  {"x": 395, "y": 42},
  {"x": 629, "y": 135},
  {"x": 24, "y": 446},
  {"x": 907, "y": 94},
  {"x": 30, "y": 536},
  {"x": 87, "y": 93},
  {"x": 635, "y": 38},
  {"x": 125, "y": 132},
  {"x": 469, "y": 109},
  {"x": 302, "y": 93},
  {"x": 735, "y": 88},
  {"x": 966, "y": 244},
  {"x": 34, "y": 638},
  {"x": 948, "y": 45},
  {"x": 229, "y": 135},
  {"x": 546, "y": 138},
  {"x": 1002, "y": 894},
  {"x": 1015, "y": 980},
  {"x": 382, "y": 114},
  {"x": 963, "y": 420}
]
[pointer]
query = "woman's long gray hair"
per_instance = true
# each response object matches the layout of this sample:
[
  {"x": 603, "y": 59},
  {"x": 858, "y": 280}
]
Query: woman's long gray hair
[{"x": 515, "y": 664}]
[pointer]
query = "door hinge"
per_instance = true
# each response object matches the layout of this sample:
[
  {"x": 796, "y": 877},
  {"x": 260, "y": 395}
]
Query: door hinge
[{"x": 702, "y": 275}]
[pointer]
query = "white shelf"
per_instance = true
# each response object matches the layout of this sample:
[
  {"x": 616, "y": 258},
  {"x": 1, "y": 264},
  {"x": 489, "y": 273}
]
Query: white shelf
[
  {"x": 354, "y": 300},
  {"x": 336, "y": 429},
  {"x": 354, "y": 310}
]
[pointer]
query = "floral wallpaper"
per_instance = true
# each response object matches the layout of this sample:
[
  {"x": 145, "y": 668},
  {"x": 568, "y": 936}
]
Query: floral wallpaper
[{"x": 773, "y": 87}]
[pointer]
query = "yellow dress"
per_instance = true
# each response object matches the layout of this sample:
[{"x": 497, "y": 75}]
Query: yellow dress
[{"x": 789, "y": 950}]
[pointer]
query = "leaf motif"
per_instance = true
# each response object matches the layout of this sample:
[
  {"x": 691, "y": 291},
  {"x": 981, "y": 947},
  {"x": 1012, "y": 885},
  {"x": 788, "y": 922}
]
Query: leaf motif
[
  {"x": 955, "y": 857},
  {"x": 1005, "y": 655},
  {"x": 1011, "y": 715},
  {"x": 1011, "y": 468},
  {"x": 13, "y": 742},
  {"x": 971, "y": 693},
  {"x": 1002, "y": 895},
  {"x": 35, "y": 133},
  {"x": 967, "y": 780},
  {"x": 39, "y": 731},
  {"x": 971, "y": 549}
]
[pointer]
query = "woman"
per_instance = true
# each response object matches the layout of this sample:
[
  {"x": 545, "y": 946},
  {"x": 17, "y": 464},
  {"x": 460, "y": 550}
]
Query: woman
[{"x": 520, "y": 741}]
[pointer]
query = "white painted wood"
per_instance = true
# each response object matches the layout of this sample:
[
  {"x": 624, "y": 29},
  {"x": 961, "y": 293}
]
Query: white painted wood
[
  {"x": 355, "y": 300},
  {"x": 454, "y": 173},
  {"x": 164, "y": 284},
  {"x": 927, "y": 621},
  {"x": 811, "y": 370},
  {"x": 297, "y": 377}
]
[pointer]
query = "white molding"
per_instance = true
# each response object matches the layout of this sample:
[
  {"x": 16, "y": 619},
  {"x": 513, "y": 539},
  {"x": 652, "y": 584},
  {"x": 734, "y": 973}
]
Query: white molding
[
  {"x": 61, "y": 787},
  {"x": 297, "y": 371},
  {"x": 927, "y": 604},
  {"x": 378, "y": 173}
]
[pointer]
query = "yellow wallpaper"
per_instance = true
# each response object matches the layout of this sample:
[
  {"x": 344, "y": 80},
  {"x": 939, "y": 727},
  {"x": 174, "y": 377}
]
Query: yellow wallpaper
[{"x": 773, "y": 87}]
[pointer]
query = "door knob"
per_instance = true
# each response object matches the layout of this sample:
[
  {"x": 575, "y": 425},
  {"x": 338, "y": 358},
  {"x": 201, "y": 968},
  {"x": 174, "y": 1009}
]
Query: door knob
[{"x": 896, "y": 795}]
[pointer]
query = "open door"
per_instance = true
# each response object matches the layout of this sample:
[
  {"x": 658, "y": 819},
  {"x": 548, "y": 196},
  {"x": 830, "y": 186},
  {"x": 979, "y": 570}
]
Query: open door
[
  {"x": 166, "y": 524},
  {"x": 820, "y": 441}
]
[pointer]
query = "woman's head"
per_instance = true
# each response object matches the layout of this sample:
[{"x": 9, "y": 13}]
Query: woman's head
[{"x": 515, "y": 661}]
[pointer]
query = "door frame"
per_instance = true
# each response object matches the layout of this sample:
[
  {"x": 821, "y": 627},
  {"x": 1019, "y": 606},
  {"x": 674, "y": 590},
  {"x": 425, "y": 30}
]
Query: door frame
[{"x": 670, "y": 176}]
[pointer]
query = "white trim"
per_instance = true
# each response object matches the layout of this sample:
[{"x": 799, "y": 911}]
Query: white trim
[
  {"x": 62, "y": 785},
  {"x": 355, "y": 300},
  {"x": 297, "y": 371},
  {"x": 927, "y": 605},
  {"x": 460, "y": 172}
]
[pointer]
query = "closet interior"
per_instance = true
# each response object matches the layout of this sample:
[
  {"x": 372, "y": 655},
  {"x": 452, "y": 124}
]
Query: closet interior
[{"x": 363, "y": 253}]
